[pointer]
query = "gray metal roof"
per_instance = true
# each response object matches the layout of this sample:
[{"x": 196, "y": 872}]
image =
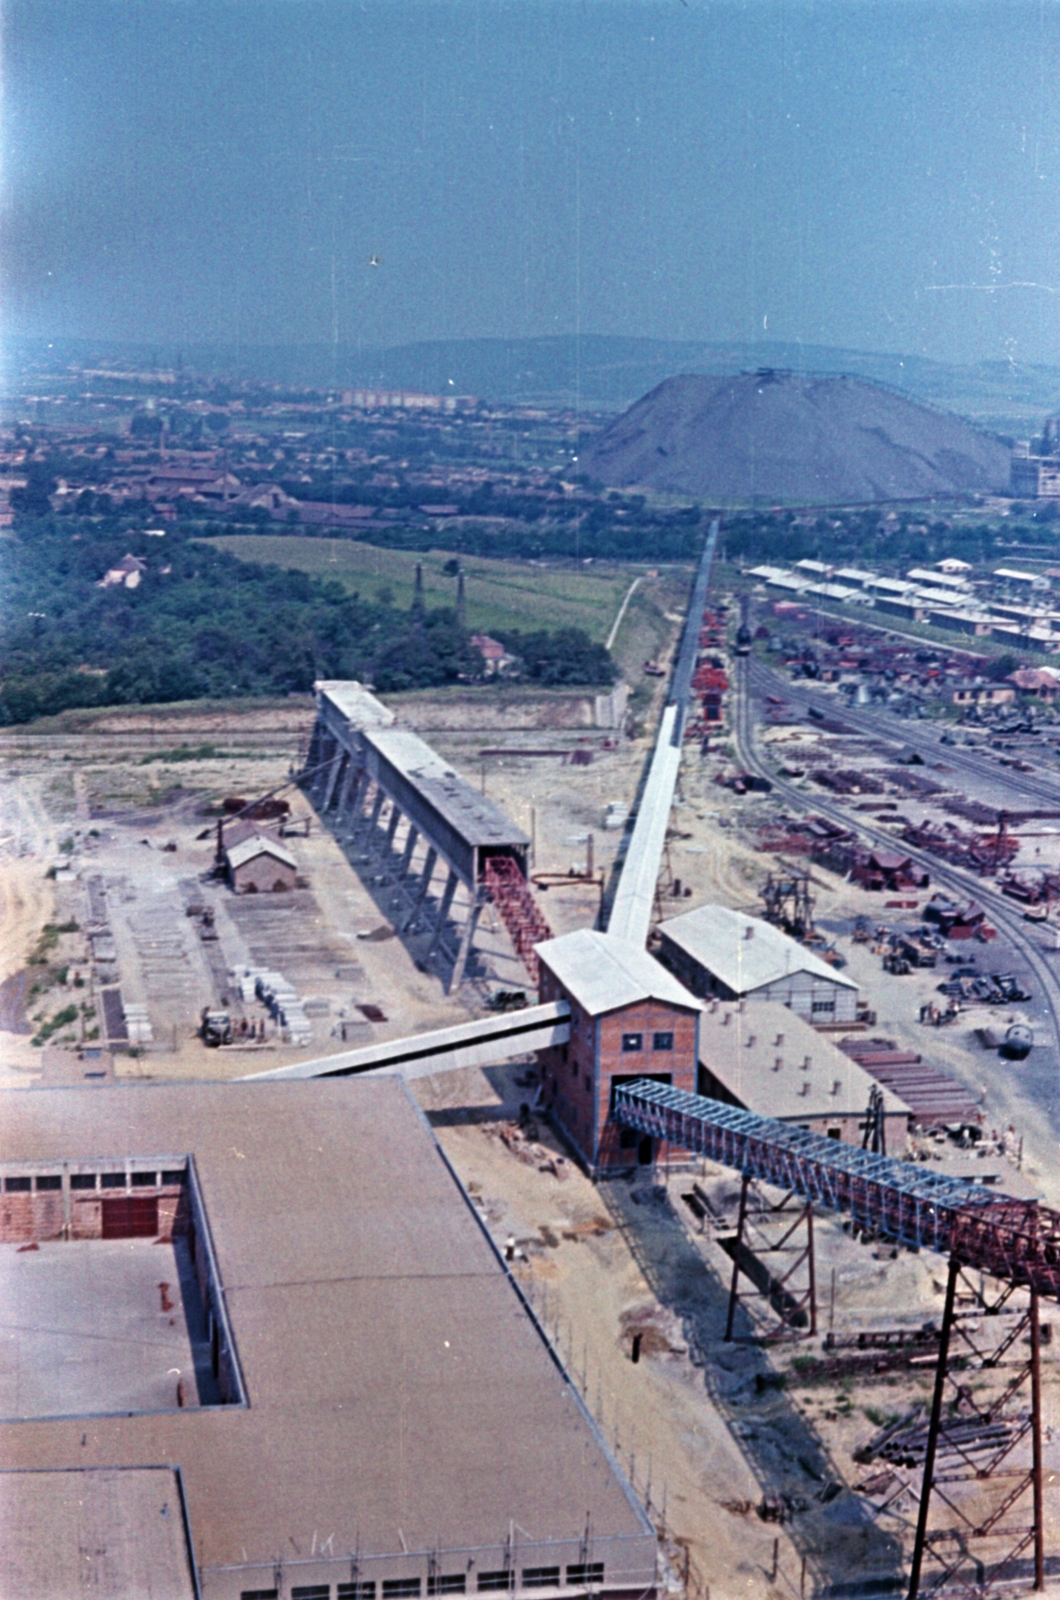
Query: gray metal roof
[
  {"x": 354, "y": 702},
  {"x": 474, "y": 817},
  {"x": 603, "y": 973},
  {"x": 259, "y": 845},
  {"x": 744, "y": 952}
]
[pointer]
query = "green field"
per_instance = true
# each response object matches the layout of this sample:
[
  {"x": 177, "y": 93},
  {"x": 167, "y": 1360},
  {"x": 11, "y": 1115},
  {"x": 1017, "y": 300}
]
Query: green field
[{"x": 500, "y": 594}]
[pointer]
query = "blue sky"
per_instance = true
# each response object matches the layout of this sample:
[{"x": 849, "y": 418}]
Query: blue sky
[{"x": 882, "y": 174}]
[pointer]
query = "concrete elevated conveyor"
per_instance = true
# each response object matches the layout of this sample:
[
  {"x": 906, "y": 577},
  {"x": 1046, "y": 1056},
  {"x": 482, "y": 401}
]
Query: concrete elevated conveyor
[{"x": 484, "y": 1043}]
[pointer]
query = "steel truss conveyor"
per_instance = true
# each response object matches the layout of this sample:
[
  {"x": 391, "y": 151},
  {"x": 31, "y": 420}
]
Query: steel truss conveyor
[{"x": 1015, "y": 1241}]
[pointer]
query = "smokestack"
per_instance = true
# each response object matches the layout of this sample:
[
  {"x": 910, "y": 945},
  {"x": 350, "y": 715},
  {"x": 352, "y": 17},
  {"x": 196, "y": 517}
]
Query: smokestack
[{"x": 461, "y": 600}]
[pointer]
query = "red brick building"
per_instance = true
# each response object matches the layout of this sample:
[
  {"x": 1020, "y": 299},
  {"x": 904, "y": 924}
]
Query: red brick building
[{"x": 629, "y": 1019}]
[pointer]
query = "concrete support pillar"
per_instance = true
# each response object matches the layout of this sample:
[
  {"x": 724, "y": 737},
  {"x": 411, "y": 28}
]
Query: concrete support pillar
[
  {"x": 353, "y": 803},
  {"x": 335, "y": 774},
  {"x": 351, "y": 785},
  {"x": 448, "y": 892},
  {"x": 392, "y": 827},
  {"x": 315, "y": 740},
  {"x": 329, "y": 747},
  {"x": 373, "y": 820},
  {"x": 421, "y": 893},
  {"x": 466, "y": 938},
  {"x": 406, "y": 854}
]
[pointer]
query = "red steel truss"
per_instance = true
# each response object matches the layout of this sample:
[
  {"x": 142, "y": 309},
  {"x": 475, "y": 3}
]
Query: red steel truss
[{"x": 510, "y": 893}]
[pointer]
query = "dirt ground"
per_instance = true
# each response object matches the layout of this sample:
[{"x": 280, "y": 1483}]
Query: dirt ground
[{"x": 704, "y": 1428}]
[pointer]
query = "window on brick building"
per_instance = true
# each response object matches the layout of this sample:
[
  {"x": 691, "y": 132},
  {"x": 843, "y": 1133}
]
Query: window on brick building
[
  {"x": 447, "y": 1583},
  {"x": 488, "y": 1581},
  {"x": 632, "y": 1042},
  {"x": 400, "y": 1588},
  {"x": 83, "y": 1180},
  {"x": 586, "y": 1572},
  {"x": 51, "y": 1181},
  {"x": 662, "y": 1041},
  {"x": 15, "y": 1185},
  {"x": 356, "y": 1591},
  {"x": 113, "y": 1180}
]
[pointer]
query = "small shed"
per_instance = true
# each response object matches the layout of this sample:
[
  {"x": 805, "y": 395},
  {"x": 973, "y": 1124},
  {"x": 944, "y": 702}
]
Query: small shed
[{"x": 260, "y": 865}]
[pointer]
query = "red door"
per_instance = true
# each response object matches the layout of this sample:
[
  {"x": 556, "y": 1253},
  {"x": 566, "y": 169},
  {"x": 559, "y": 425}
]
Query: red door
[{"x": 131, "y": 1217}]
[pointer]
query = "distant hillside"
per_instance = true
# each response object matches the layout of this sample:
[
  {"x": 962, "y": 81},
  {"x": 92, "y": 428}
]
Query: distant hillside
[
  {"x": 595, "y": 371},
  {"x": 780, "y": 437}
]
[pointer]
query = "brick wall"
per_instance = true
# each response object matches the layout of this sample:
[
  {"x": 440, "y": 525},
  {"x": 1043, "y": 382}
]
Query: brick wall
[
  {"x": 261, "y": 875},
  {"x": 36, "y": 1215},
  {"x": 577, "y": 1077}
]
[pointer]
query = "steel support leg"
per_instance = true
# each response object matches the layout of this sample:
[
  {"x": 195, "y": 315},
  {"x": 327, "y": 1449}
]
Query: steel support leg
[
  {"x": 337, "y": 772},
  {"x": 407, "y": 853},
  {"x": 354, "y": 774},
  {"x": 745, "y": 1185},
  {"x": 443, "y": 911},
  {"x": 421, "y": 893},
  {"x": 812, "y": 1268},
  {"x": 465, "y": 947},
  {"x": 1037, "y": 1483},
  {"x": 933, "y": 1431},
  {"x": 373, "y": 820}
]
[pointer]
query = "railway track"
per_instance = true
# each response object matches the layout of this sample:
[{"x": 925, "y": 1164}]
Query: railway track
[
  {"x": 883, "y": 724},
  {"x": 962, "y": 883}
]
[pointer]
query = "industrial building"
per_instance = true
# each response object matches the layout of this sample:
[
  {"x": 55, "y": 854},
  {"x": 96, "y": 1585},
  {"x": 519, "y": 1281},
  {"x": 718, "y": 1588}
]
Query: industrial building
[
  {"x": 408, "y": 814},
  {"x": 628, "y": 1019},
  {"x": 722, "y": 954},
  {"x": 364, "y": 1407},
  {"x": 766, "y": 1060},
  {"x": 260, "y": 865}
]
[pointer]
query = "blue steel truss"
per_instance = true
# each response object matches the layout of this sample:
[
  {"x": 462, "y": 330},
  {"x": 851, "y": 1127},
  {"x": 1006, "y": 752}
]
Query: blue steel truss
[{"x": 1012, "y": 1239}]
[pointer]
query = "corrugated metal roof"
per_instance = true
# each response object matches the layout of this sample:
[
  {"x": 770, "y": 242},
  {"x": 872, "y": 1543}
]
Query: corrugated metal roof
[
  {"x": 744, "y": 952},
  {"x": 602, "y": 972}
]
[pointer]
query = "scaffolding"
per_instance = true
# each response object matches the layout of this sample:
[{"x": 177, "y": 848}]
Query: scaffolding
[
  {"x": 973, "y": 1530},
  {"x": 519, "y": 911},
  {"x": 788, "y": 903}
]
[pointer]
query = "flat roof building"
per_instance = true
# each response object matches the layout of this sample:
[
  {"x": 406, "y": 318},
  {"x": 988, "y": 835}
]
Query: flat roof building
[
  {"x": 717, "y": 953},
  {"x": 367, "y": 1408}
]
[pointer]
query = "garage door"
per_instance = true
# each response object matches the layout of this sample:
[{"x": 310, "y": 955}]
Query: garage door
[{"x": 132, "y": 1217}]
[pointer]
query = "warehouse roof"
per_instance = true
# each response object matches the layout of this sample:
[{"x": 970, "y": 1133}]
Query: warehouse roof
[
  {"x": 377, "y": 1332},
  {"x": 743, "y": 1048},
  {"x": 744, "y": 952},
  {"x": 259, "y": 845},
  {"x": 603, "y": 973},
  {"x": 130, "y": 1518}
]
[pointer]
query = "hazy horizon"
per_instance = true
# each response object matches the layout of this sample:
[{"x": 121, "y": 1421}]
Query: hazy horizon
[{"x": 878, "y": 177}]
